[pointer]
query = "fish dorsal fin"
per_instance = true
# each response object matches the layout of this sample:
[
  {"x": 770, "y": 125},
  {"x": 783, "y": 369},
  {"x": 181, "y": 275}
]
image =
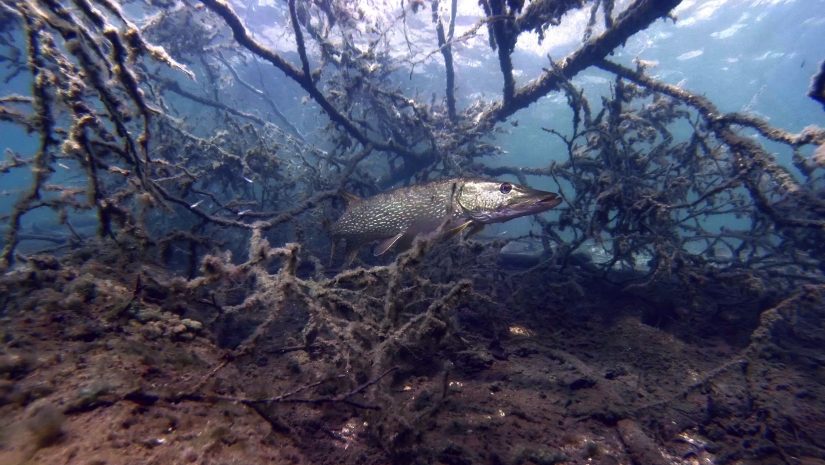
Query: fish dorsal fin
[
  {"x": 350, "y": 198},
  {"x": 387, "y": 244}
]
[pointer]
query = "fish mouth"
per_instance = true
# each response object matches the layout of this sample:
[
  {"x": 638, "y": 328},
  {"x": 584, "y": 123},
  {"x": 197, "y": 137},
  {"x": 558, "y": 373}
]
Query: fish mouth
[
  {"x": 540, "y": 203},
  {"x": 537, "y": 204},
  {"x": 529, "y": 202},
  {"x": 549, "y": 200}
]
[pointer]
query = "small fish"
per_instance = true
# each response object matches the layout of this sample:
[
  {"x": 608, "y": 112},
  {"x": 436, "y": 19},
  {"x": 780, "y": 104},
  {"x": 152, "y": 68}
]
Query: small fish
[{"x": 396, "y": 217}]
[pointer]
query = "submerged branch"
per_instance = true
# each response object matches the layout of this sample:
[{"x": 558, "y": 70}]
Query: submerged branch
[
  {"x": 174, "y": 86},
  {"x": 266, "y": 98},
  {"x": 752, "y": 161},
  {"x": 504, "y": 37},
  {"x": 638, "y": 16},
  {"x": 304, "y": 79},
  {"x": 447, "y": 51},
  {"x": 44, "y": 120}
]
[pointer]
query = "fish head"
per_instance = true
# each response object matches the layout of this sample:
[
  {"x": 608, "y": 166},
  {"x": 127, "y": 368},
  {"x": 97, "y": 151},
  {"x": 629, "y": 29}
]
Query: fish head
[{"x": 495, "y": 202}]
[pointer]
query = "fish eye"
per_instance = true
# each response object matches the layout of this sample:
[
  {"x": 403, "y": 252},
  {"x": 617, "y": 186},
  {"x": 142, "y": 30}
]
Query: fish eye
[{"x": 505, "y": 187}]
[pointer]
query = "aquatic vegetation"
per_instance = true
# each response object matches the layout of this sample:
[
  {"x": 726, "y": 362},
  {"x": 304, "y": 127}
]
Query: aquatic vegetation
[{"x": 189, "y": 207}]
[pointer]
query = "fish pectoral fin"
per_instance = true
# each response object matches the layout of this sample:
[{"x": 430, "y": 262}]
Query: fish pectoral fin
[
  {"x": 473, "y": 230},
  {"x": 387, "y": 244},
  {"x": 349, "y": 258},
  {"x": 350, "y": 198},
  {"x": 458, "y": 229}
]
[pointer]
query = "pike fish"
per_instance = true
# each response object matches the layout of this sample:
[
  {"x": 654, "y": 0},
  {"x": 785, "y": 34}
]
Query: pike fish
[{"x": 450, "y": 206}]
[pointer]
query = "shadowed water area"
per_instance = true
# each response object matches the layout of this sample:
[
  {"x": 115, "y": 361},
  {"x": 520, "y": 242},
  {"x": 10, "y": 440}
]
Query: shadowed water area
[{"x": 412, "y": 232}]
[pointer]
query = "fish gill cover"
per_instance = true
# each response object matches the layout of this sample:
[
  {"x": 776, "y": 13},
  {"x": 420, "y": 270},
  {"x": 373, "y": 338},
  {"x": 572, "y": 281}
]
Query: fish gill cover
[{"x": 173, "y": 171}]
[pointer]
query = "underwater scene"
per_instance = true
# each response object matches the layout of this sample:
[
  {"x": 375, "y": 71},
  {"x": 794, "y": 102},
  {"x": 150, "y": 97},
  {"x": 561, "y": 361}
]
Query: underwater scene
[{"x": 375, "y": 232}]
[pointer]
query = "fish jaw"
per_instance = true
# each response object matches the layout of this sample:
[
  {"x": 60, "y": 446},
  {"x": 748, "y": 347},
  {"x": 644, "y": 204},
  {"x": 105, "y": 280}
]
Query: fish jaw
[{"x": 496, "y": 202}]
